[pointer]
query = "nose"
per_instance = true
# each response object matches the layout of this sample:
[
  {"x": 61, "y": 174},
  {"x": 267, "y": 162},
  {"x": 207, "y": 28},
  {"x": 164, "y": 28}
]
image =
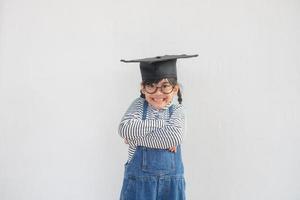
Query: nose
[{"x": 158, "y": 91}]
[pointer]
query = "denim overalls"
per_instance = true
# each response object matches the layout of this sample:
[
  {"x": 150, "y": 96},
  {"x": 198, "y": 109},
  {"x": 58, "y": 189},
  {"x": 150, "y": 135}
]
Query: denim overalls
[{"x": 154, "y": 174}]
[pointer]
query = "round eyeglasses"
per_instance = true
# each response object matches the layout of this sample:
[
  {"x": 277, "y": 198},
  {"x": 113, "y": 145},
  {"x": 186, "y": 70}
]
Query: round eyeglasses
[{"x": 165, "y": 88}]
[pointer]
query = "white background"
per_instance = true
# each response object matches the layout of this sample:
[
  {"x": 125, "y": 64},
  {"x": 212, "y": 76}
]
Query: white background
[{"x": 63, "y": 92}]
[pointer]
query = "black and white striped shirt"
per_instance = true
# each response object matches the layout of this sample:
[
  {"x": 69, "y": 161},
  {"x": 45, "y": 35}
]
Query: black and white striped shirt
[{"x": 158, "y": 130}]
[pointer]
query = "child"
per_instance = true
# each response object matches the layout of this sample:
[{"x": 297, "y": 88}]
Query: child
[{"x": 153, "y": 127}]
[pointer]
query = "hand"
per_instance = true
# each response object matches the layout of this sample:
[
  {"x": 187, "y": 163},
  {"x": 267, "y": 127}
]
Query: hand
[
  {"x": 173, "y": 149},
  {"x": 125, "y": 141}
]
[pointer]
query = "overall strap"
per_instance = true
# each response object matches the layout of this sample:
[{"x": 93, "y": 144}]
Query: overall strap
[
  {"x": 171, "y": 109},
  {"x": 145, "y": 106}
]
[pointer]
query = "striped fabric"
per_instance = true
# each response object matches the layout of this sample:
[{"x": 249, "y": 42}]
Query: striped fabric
[{"x": 158, "y": 130}]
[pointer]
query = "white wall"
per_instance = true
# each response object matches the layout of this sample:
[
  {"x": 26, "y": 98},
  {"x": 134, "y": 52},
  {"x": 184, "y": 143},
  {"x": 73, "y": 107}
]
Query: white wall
[{"x": 63, "y": 92}]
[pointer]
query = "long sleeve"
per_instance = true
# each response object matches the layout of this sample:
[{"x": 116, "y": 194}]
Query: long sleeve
[
  {"x": 133, "y": 127},
  {"x": 171, "y": 134}
]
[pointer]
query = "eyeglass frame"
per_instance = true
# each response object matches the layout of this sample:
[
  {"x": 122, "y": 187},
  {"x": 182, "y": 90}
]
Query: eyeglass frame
[{"x": 156, "y": 88}]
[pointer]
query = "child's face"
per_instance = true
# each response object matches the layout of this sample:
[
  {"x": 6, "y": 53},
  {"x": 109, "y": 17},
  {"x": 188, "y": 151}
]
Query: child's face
[{"x": 159, "y": 99}]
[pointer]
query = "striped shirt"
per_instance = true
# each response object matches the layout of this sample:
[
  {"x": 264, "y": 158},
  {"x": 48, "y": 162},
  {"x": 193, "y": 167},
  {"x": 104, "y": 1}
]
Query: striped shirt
[{"x": 158, "y": 130}]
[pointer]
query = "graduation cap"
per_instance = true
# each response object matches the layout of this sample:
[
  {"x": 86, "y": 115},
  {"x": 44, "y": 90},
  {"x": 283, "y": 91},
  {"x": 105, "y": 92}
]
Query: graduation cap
[{"x": 159, "y": 67}]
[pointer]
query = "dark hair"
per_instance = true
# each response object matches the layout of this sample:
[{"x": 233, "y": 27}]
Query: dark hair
[{"x": 172, "y": 81}]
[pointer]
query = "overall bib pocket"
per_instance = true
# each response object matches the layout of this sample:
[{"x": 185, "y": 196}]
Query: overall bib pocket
[{"x": 158, "y": 161}]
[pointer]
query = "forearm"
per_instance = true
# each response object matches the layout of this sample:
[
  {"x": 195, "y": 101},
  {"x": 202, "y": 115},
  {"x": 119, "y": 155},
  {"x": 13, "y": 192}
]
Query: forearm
[
  {"x": 171, "y": 134},
  {"x": 162, "y": 138},
  {"x": 131, "y": 129},
  {"x": 132, "y": 126}
]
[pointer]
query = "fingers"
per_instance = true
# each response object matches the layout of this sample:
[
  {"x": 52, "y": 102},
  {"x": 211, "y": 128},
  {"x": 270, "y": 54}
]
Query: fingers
[{"x": 172, "y": 149}]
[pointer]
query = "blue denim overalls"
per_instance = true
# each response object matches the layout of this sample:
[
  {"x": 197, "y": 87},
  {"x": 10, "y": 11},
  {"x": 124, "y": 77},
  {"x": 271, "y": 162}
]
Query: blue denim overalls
[{"x": 154, "y": 174}]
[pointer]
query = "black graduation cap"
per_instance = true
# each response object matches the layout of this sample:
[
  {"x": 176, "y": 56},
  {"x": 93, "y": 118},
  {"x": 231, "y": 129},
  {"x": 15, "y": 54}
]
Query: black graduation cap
[{"x": 159, "y": 67}]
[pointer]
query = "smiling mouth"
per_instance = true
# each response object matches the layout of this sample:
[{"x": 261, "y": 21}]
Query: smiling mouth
[{"x": 158, "y": 100}]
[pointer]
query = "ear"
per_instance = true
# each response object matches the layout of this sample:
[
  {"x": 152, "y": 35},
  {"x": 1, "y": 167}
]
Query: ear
[{"x": 176, "y": 88}]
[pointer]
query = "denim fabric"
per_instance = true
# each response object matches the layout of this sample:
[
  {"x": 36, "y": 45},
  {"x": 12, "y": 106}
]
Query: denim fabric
[{"x": 154, "y": 174}]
